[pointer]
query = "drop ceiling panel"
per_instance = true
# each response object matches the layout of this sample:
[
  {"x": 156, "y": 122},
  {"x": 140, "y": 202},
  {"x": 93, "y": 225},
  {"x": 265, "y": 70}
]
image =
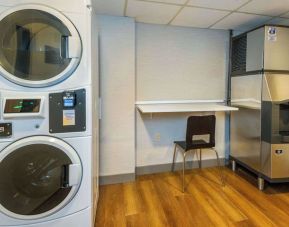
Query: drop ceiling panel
[
  {"x": 197, "y": 17},
  {"x": 148, "y": 12},
  {"x": 279, "y": 21},
  {"x": 220, "y": 4},
  {"x": 3, "y": 8},
  {"x": 109, "y": 7},
  {"x": 266, "y": 7},
  {"x": 285, "y": 15},
  {"x": 241, "y": 21},
  {"x": 180, "y": 2},
  {"x": 235, "y": 32}
]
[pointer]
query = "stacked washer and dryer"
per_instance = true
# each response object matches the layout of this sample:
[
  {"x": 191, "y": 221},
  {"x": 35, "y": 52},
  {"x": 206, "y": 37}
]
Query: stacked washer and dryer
[{"x": 49, "y": 117}]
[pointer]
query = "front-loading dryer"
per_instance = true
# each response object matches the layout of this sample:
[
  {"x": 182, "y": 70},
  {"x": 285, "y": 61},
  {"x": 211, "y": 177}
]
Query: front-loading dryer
[
  {"x": 43, "y": 45},
  {"x": 39, "y": 46}
]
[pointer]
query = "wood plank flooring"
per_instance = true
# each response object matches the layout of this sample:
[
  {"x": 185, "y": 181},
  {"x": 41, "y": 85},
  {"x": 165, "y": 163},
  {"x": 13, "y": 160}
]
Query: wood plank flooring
[{"x": 156, "y": 200}]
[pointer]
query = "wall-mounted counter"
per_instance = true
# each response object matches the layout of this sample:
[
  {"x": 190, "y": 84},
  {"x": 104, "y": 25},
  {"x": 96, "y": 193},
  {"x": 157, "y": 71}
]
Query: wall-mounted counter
[
  {"x": 247, "y": 103},
  {"x": 159, "y": 123},
  {"x": 184, "y": 106}
]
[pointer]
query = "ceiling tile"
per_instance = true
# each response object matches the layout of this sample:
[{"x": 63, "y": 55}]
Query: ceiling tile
[
  {"x": 109, "y": 7},
  {"x": 284, "y": 22},
  {"x": 149, "y": 12},
  {"x": 285, "y": 15},
  {"x": 266, "y": 7},
  {"x": 279, "y": 21},
  {"x": 235, "y": 33},
  {"x": 197, "y": 17},
  {"x": 241, "y": 21},
  {"x": 180, "y": 2},
  {"x": 275, "y": 20},
  {"x": 220, "y": 4}
]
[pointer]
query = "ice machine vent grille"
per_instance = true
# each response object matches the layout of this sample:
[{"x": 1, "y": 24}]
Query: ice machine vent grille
[{"x": 239, "y": 49}]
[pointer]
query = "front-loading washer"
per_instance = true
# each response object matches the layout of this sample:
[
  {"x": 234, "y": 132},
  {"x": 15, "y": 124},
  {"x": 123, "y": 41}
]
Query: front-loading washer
[
  {"x": 45, "y": 181},
  {"x": 47, "y": 159}
]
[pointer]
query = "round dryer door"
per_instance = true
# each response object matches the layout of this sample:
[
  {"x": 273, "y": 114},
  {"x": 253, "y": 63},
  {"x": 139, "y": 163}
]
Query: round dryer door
[
  {"x": 39, "y": 46},
  {"x": 38, "y": 176}
]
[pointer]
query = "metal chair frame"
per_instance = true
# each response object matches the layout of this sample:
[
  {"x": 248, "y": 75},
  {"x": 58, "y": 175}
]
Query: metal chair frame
[{"x": 199, "y": 161}]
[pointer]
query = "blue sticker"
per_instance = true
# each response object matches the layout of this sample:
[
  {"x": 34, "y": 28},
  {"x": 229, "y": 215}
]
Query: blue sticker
[
  {"x": 272, "y": 34},
  {"x": 272, "y": 31}
]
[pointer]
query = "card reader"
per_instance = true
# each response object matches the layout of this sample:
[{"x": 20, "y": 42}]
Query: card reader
[{"x": 69, "y": 99}]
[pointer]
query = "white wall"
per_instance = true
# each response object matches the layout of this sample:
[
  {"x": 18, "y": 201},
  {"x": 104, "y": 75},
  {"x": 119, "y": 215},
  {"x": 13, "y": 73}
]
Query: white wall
[
  {"x": 172, "y": 63},
  {"x": 175, "y": 63},
  {"x": 117, "y": 75},
  {"x": 180, "y": 63},
  {"x": 170, "y": 127}
]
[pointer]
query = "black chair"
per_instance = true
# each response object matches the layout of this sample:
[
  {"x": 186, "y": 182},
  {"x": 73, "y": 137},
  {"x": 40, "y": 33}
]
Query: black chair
[{"x": 196, "y": 126}]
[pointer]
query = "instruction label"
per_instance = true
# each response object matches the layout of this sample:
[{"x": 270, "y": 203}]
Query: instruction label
[
  {"x": 68, "y": 117},
  {"x": 272, "y": 34}
]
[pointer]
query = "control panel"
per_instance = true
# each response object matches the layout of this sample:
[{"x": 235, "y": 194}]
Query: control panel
[
  {"x": 5, "y": 130},
  {"x": 20, "y": 113},
  {"x": 67, "y": 111},
  {"x": 18, "y": 107},
  {"x": 22, "y": 106}
]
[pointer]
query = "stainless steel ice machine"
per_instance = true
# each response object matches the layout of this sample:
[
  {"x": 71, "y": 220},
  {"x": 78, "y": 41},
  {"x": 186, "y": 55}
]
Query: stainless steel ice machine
[{"x": 259, "y": 131}]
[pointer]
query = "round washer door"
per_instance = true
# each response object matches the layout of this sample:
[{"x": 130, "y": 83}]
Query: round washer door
[
  {"x": 39, "y": 46},
  {"x": 38, "y": 176}
]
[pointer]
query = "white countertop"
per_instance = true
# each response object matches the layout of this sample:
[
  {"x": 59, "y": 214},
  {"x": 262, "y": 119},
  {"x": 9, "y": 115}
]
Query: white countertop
[
  {"x": 183, "y": 107},
  {"x": 247, "y": 103}
]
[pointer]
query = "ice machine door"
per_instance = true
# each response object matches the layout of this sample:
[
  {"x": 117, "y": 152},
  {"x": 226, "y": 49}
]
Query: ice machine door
[
  {"x": 276, "y": 48},
  {"x": 275, "y": 88}
]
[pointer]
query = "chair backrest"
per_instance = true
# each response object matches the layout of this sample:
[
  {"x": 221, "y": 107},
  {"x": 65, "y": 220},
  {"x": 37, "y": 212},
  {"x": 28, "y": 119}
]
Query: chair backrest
[{"x": 201, "y": 125}]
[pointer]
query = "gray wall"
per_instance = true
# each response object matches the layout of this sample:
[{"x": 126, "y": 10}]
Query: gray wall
[{"x": 117, "y": 78}]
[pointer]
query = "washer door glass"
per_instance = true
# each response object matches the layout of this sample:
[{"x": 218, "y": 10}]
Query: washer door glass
[
  {"x": 35, "y": 46},
  {"x": 34, "y": 179}
]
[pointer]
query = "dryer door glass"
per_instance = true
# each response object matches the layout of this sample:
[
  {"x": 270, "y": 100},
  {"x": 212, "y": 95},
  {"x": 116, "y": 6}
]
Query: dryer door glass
[
  {"x": 35, "y": 46},
  {"x": 33, "y": 179}
]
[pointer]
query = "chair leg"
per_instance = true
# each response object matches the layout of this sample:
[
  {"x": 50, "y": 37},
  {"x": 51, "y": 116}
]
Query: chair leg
[
  {"x": 174, "y": 158},
  {"x": 220, "y": 168},
  {"x": 199, "y": 159},
  {"x": 184, "y": 168}
]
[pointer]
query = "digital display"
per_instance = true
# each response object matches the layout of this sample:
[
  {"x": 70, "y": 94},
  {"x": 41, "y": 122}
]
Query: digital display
[
  {"x": 22, "y": 106},
  {"x": 69, "y": 99},
  {"x": 68, "y": 102}
]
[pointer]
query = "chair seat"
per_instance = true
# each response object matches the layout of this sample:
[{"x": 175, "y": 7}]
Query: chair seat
[{"x": 196, "y": 144}]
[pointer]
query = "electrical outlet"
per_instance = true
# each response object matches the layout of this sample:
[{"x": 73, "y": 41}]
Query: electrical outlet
[{"x": 158, "y": 137}]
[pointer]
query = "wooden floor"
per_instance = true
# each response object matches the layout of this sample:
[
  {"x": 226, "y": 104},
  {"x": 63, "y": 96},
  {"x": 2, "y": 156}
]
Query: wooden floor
[{"x": 156, "y": 200}]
